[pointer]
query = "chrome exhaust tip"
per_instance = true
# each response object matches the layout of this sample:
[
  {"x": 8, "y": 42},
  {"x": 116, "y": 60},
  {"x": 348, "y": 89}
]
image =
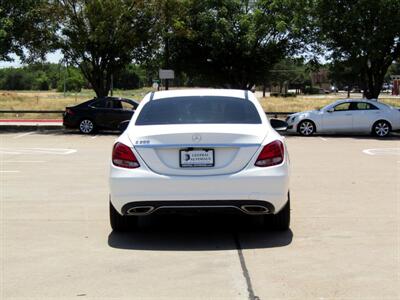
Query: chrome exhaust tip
[
  {"x": 140, "y": 210},
  {"x": 254, "y": 209}
]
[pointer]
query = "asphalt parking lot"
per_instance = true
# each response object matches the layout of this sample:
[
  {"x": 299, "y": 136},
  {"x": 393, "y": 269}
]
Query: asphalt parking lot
[{"x": 56, "y": 241}]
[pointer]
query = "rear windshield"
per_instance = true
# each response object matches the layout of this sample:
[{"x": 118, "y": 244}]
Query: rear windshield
[{"x": 198, "y": 110}]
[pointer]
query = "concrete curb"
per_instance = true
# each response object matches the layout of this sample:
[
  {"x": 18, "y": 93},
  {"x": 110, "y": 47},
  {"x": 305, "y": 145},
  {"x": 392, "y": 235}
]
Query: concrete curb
[
  {"x": 30, "y": 125},
  {"x": 21, "y": 128}
]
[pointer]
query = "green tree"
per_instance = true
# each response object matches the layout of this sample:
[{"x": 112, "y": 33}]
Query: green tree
[
  {"x": 131, "y": 77},
  {"x": 363, "y": 34},
  {"x": 103, "y": 36},
  {"x": 40, "y": 81},
  {"x": 230, "y": 43},
  {"x": 73, "y": 80},
  {"x": 394, "y": 69},
  {"x": 27, "y": 29},
  {"x": 15, "y": 79},
  {"x": 290, "y": 71},
  {"x": 345, "y": 75}
]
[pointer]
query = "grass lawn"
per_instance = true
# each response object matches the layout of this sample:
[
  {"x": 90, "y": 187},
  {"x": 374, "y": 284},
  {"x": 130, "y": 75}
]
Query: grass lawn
[{"x": 51, "y": 100}]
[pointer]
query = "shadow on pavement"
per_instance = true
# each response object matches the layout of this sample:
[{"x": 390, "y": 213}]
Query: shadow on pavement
[
  {"x": 199, "y": 233},
  {"x": 77, "y": 133}
]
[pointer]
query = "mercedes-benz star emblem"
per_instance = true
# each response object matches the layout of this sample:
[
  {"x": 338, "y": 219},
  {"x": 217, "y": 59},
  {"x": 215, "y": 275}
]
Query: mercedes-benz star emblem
[{"x": 196, "y": 138}]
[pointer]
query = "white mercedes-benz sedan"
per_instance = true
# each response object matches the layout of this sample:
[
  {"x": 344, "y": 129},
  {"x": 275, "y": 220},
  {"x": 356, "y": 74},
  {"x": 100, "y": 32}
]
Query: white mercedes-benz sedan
[
  {"x": 347, "y": 116},
  {"x": 199, "y": 149}
]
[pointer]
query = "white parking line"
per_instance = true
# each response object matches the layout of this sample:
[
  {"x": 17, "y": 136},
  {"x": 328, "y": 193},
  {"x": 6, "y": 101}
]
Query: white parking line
[
  {"x": 324, "y": 139},
  {"x": 3, "y": 171},
  {"x": 23, "y": 161},
  {"x": 93, "y": 137},
  {"x": 9, "y": 152},
  {"x": 23, "y": 134},
  {"x": 56, "y": 151},
  {"x": 382, "y": 151}
]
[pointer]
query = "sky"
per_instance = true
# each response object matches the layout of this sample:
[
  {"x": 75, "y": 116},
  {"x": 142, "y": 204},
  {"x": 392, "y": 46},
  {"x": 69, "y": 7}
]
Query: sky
[{"x": 51, "y": 58}]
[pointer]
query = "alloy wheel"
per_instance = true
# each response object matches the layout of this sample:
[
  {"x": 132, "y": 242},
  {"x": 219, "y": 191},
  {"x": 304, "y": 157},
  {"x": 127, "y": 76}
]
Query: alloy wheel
[
  {"x": 382, "y": 129},
  {"x": 306, "y": 128},
  {"x": 86, "y": 126}
]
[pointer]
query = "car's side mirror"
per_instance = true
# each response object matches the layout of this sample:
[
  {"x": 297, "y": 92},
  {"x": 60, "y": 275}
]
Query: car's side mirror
[
  {"x": 330, "y": 110},
  {"x": 123, "y": 125},
  {"x": 278, "y": 125}
]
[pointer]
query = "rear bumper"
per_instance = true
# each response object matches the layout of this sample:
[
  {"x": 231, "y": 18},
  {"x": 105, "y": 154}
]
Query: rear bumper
[
  {"x": 267, "y": 185},
  {"x": 70, "y": 121},
  {"x": 250, "y": 207}
]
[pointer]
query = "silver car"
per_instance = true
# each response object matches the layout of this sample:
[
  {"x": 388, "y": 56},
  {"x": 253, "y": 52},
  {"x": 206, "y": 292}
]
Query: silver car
[{"x": 347, "y": 116}]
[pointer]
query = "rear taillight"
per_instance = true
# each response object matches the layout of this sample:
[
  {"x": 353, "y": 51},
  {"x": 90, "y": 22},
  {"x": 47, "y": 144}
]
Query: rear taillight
[
  {"x": 122, "y": 156},
  {"x": 69, "y": 111},
  {"x": 271, "y": 155}
]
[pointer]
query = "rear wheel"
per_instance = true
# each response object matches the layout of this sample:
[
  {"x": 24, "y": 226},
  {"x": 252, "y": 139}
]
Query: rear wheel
[
  {"x": 121, "y": 223},
  {"x": 281, "y": 220},
  {"x": 381, "y": 128},
  {"x": 306, "y": 128},
  {"x": 86, "y": 126}
]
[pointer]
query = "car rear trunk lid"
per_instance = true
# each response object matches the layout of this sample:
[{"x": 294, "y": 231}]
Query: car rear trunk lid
[{"x": 232, "y": 147}]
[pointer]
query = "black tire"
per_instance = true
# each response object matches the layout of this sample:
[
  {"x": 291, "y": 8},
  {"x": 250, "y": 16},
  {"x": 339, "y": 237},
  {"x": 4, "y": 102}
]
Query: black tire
[
  {"x": 87, "y": 126},
  {"x": 381, "y": 128},
  {"x": 306, "y": 128},
  {"x": 121, "y": 223},
  {"x": 281, "y": 220}
]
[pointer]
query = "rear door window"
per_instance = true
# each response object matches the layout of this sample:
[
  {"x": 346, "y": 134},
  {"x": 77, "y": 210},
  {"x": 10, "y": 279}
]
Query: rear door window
[
  {"x": 127, "y": 105},
  {"x": 115, "y": 104},
  {"x": 365, "y": 106},
  {"x": 199, "y": 110}
]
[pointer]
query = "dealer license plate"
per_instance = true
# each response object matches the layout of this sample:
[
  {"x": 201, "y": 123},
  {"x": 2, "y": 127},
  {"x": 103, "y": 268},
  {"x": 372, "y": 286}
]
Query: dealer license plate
[{"x": 196, "y": 158}]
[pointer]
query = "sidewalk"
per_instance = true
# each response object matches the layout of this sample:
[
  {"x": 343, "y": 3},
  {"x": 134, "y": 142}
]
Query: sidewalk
[{"x": 30, "y": 124}]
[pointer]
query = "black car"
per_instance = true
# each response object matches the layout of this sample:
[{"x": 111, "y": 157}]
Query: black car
[{"x": 99, "y": 113}]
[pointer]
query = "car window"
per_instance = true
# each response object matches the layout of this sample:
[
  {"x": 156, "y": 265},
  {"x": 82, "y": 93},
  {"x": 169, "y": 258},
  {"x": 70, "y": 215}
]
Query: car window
[
  {"x": 99, "y": 104},
  {"x": 365, "y": 106},
  {"x": 342, "y": 106},
  {"x": 199, "y": 110},
  {"x": 115, "y": 104},
  {"x": 127, "y": 105}
]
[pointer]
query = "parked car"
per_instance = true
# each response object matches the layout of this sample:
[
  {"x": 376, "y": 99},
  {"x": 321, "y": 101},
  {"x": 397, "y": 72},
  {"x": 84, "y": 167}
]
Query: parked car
[
  {"x": 347, "y": 116},
  {"x": 188, "y": 150},
  {"x": 95, "y": 114}
]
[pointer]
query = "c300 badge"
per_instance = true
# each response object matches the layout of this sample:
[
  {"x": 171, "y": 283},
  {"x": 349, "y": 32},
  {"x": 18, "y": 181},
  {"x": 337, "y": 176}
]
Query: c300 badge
[{"x": 142, "y": 142}]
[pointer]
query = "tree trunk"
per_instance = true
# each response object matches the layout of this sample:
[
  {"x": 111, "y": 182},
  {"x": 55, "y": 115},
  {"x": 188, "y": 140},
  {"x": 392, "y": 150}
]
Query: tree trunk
[
  {"x": 101, "y": 84},
  {"x": 374, "y": 82}
]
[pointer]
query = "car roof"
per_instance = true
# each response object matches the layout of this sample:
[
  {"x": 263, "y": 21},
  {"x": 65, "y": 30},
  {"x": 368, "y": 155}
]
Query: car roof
[
  {"x": 200, "y": 92},
  {"x": 355, "y": 100},
  {"x": 362, "y": 100},
  {"x": 114, "y": 98}
]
